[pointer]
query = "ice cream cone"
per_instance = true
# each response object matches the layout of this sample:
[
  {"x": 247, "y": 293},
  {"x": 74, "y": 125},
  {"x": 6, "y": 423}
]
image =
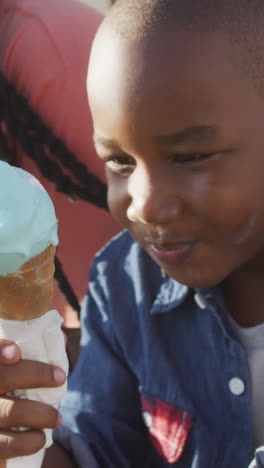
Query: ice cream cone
[{"x": 27, "y": 294}]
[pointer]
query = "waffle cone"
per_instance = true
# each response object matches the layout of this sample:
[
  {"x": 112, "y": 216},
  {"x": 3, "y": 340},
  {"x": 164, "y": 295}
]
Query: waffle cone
[{"x": 28, "y": 293}]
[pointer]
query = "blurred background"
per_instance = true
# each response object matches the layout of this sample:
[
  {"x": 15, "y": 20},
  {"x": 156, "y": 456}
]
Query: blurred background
[{"x": 100, "y": 5}]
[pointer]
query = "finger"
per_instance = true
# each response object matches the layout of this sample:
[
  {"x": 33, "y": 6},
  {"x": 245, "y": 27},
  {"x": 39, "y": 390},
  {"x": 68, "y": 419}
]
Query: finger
[
  {"x": 30, "y": 374},
  {"x": 18, "y": 444},
  {"x": 15, "y": 412},
  {"x": 2, "y": 464},
  {"x": 9, "y": 352}
]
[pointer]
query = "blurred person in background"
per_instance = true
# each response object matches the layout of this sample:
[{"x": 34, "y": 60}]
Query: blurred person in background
[{"x": 46, "y": 127}]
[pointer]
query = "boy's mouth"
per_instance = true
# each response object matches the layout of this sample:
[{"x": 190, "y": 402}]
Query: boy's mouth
[{"x": 170, "y": 252}]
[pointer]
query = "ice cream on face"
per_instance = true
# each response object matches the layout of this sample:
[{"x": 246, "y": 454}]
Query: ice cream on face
[{"x": 28, "y": 223}]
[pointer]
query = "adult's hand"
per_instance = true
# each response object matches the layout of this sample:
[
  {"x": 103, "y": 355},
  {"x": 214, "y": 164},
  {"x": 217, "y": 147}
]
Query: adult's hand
[{"x": 16, "y": 373}]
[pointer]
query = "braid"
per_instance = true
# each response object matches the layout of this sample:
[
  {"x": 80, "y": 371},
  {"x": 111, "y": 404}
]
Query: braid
[
  {"x": 5, "y": 152},
  {"x": 39, "y": 142},
  {"x": 65, "y": 286},
  {"x": 54, "y": 160}
]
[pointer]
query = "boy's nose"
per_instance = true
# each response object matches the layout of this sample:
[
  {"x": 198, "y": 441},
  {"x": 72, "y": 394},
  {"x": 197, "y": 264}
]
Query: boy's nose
[{"x": 152, "y": 202}]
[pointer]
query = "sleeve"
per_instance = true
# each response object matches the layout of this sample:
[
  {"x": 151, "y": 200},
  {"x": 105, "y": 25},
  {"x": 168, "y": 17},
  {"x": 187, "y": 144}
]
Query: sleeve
[{"x": 101, "y": 410}]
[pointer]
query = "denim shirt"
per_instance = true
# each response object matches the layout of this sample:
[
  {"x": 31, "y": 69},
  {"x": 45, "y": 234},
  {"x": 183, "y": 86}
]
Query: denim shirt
[{"x": 161, "y": 380}]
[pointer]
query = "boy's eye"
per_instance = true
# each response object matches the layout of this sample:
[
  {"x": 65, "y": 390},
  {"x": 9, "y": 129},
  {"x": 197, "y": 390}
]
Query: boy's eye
[
  {"x": 189, "y": 159},
  {"x": 123, "y": 165}
]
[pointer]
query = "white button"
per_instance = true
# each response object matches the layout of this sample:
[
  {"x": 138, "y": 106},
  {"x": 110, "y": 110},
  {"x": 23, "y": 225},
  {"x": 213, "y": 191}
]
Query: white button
[
  {"x": 236, "y": 386},
  {"x": 147, "y": 418},
  {"x": 200, "y": 301}
]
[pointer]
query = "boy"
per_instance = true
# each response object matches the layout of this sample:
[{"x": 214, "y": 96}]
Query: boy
[{"x": 171, "y": 369}]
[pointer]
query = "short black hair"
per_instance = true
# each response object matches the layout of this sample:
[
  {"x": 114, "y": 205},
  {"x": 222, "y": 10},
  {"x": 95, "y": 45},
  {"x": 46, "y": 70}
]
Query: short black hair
[{"x": 241, "y": 20}]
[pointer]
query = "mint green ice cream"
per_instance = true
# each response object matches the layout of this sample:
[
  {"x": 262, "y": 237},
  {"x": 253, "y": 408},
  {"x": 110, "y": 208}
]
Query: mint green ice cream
[{"x": 28, "y": 223}]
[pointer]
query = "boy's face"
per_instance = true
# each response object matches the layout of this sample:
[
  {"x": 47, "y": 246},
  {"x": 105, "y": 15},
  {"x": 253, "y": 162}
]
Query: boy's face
[{"x": 181, "y": 129}]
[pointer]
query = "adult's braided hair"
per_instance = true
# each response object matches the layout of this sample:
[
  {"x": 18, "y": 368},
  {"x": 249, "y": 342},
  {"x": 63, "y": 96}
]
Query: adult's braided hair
[{"x": 55, "y": 161}]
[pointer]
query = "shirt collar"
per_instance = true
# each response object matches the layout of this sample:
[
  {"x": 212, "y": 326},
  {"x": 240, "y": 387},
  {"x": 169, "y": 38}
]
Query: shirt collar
[{"x": 172, "y": 294}]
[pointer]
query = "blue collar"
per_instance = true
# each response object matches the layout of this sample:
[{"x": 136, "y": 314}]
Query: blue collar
[{"x": 172, "y": 294}]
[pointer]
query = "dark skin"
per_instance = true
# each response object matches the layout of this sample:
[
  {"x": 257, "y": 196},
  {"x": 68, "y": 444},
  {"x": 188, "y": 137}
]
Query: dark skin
[
  {"x": 56, "y": 456},
  {"x": 180, "y": 128}
]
